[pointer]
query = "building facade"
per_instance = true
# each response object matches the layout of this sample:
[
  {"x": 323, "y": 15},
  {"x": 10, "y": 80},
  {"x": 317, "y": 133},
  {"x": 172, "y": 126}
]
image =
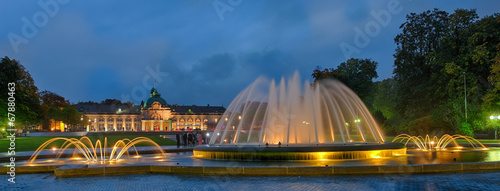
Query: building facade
[{"x": 153, "y": 115}]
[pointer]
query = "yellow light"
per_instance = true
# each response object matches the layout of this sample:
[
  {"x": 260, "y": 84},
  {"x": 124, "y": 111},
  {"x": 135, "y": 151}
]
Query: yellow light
[
  {"x": 115, "y": 147},
  {"x": 375, "y": 154},
  {"x": 321, "y": 156},
  {"x": 432, "y": 142},
  {"x": 136, "y": 156},
  {"x": 54, "y": 149}
]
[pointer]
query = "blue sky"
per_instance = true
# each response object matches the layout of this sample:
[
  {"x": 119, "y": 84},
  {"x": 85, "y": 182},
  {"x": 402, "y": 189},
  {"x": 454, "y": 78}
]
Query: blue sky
[{"x": 196, "y": 52}]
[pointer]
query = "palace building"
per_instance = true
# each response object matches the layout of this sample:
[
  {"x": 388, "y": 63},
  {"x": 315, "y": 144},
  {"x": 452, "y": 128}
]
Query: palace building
[{"x": 153, "y": 115}]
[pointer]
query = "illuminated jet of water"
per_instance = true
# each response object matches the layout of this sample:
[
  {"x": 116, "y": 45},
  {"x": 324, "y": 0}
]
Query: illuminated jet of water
[
  {"x": 434, "y": 143},
  {"x": 90, "y": 150}
]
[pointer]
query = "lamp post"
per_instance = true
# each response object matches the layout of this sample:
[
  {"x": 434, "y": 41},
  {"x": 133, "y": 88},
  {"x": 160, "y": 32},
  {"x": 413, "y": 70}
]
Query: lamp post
[
  {"x": 496, "y": 126},
  {"x": 81, "y": 121}
]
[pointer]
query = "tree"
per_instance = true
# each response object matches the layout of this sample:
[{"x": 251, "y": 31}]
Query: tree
[
  {"x": 385, "y": 98},
  {"x": 436, "y": 54},
  {"x": 416, "y": 48},
  {"x": 357, "y": 74},
  {"x": 52, "y": 99},
  {"x": 26, "y": 98}
]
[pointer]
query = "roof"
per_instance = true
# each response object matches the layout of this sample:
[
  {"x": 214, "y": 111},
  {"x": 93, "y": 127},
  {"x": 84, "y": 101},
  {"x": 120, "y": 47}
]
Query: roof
[
  {"x": 155, "y": 96},
  {"x": 109, "y": 109},
  {"x": 197, "y": 110}
]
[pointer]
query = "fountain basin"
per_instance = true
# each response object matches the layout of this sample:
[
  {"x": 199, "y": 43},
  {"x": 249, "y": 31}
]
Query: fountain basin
[{"x": 301, "y": 152}]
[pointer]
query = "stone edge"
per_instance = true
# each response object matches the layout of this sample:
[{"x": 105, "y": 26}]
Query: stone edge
[{"x": 65, "y": 171}]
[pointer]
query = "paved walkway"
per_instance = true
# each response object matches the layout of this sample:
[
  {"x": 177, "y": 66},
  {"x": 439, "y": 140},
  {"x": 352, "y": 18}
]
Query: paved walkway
[{"x": 450, "y": 181}]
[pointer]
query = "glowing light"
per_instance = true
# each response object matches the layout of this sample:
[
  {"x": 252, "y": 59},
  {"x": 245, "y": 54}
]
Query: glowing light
[
  {"x": 136, "y": 156},
  {"x": 432, "y": 142},
  {"x": 208, "y": 134},
  {"x": 347, "y": 124},
  {"x": 239, "y": 117},
  {"x": 3, "y": 129},
  {"x": 321, "y": 156},
  {"x": 226, "y": 118},
  {"x": 350, "y": 141},
  {"x": 54, "y": 149},
  {"x": 375, "y": 154},
  {"x": 10, "y": 123},
  {"x": 218, "y": 134},
  {"x": 492, "y": 117}
]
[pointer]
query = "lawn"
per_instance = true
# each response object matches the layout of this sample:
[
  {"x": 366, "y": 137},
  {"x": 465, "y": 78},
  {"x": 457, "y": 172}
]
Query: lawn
[{"x": 32, "y": 143}]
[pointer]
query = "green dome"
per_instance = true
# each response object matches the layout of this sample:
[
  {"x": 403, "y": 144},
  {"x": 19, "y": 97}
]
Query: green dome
[{"x": 155, "y": 96}]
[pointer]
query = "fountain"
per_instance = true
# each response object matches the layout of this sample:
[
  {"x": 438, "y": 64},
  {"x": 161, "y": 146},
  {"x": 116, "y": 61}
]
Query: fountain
[
  {"x": 94, "y": 153},
  {"x": 428, "y": 144},
  {"x": 287, "y": 121}
]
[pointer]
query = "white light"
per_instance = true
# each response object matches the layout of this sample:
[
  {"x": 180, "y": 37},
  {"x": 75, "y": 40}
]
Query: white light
[
  {"x": 492, "y": 117},
  {"x": 217, "y": 133},
  {"x": 3, "y": 129},
  {"x": 208, "y": 134},
  {"x": 498, "y": 117},
  {"x": 10, "y": 123}
]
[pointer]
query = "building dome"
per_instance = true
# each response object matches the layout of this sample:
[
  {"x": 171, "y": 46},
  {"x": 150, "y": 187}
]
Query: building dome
[{"x": 155, "y": 96}]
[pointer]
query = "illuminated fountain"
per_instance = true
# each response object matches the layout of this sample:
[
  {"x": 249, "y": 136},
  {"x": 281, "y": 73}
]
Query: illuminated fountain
[
  {"x": 94, "y": 153},
  {"x": 429, "y": 144},
  {"x": 290, "y": 121}
]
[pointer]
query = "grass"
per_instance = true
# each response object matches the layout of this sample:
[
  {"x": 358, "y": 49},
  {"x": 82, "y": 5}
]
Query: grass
[{"x": 32, "y": 143}]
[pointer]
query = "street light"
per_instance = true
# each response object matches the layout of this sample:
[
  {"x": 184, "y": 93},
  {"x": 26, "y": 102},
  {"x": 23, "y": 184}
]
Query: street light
[
  {"x": 496, "y": 126},
  {"x": 81, "y": 121}
]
